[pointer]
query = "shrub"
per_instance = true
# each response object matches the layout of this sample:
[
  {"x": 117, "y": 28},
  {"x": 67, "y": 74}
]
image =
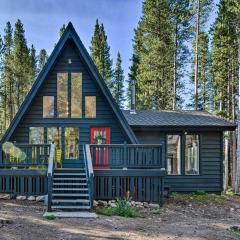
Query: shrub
[
  {"x": 50, "y": 217},
  {"x": 122, "y": 209},
  {"x": 173, "y": 194},
  {"x": 200, "y": 192}
]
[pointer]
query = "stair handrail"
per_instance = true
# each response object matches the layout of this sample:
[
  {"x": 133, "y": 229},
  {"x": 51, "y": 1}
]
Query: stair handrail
[
  {"x": 89, "y": 170},
  {"x": 49, "y": 175}
]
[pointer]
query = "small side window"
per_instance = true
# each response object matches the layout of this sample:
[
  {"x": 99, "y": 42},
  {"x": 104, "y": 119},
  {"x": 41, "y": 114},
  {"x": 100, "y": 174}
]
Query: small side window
[
  {"x": 48, "y": 106},
  {"x": 192, "y": 155},
  {"x": 174, "y": 154},
  {"x": 36, "y": 135},
  {"x": 90, "y": 107}
]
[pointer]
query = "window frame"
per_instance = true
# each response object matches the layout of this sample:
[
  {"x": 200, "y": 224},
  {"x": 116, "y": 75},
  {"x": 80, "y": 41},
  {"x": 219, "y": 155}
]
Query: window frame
[
  {"x": 183, "y": 145},
  {"x": 199, "y": 154},
  {"x": 85, "y": 102},
  {"x": 57, "y": 95},
  {"x": 181, "y": 150},
  {"x": 71, "y": 95},
  {"x": 53, "y": 106},
  {"x": 29, "y": 131}
]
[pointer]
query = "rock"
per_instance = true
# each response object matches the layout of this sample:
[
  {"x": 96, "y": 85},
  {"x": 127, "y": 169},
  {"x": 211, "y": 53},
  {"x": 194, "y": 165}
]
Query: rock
[
  {"x": 138, "y": 205},
  {"x": 40, "y": 198},
  {"x": 113, "y": 205},
  {"x": 21, "y": 198},
  {"x": 31, "y": 198},
  {"x": 102, "y": 203},
  {"x": 153, "y": 205},
  {"x": 232, "y": 209},
  {"x": 113, "y": 201},
  {"x": 5, "y": 196},
  {"x": 133, "y": 203},
  {"x": 95, "y": 203},
  {"x": 5, "y": 221},
  {"x": 145, "y": 205}
]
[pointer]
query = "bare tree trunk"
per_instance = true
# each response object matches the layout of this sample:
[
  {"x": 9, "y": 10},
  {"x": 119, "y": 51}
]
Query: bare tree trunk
[
  {"x": 175, "y": 69},
  {"x": 226, "y": 165},
  {"x": 233, "y": 132},
  {"x": 237, "y": 182},
  {"x": 196, "y": 54}
]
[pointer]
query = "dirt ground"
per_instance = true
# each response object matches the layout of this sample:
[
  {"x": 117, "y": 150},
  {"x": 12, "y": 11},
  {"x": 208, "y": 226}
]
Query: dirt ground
[{"x": 182, "y": 218}]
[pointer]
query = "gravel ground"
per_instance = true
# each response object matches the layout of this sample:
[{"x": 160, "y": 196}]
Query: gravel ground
[{"x": 179, "y": 219}]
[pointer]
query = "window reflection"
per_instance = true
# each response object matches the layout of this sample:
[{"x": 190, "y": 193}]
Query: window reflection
[
  {"x": 71, "y": 143},
  {"x": 90, "y": 107},
  {"x": 36, "y": 135},
  {"x": 174, "y": 154},
  {"x": 62, "y": 95},
  {"x": 192, "y": 154},
  {"x": 76, "y": 95},
  {"x": 48, "y": 106}
]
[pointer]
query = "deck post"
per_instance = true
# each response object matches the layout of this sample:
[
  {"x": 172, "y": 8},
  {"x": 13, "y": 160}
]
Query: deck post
[
  {"x": 162, "y": 191},
  {"x": 1, "y": 155},
  {"x": 49, "y": 192}
]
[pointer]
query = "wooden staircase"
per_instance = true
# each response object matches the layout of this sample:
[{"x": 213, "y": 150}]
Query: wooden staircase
[{"x": 70, "y": 189}]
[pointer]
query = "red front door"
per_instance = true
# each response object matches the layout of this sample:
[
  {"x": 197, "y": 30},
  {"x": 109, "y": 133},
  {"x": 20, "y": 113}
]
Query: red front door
[{"x": 100, "y": 135}]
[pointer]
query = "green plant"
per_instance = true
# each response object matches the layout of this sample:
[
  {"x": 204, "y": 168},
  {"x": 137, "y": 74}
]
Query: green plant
[
  {"x": 123, "y": 208},
  {"x": 50, "y": 217},
  {"x": 200, "y": 192},
  {"x": 173, "y": 194}
]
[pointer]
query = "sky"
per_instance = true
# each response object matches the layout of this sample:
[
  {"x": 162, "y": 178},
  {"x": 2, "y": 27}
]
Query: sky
[{"x": 42, "y": 20}]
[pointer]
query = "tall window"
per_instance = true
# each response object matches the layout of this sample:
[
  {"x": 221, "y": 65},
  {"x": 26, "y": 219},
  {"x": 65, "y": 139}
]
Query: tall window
[
  {"x": 90, "y": 107},
  {"x": 174, "y": 154},
  {"x": 36, "y": 135},
  {"x": 54, "y": 136},
  {"x": 76, "y": 95},
  {"x": 192, "y": 154},
  {"x": 48, "y": 106},
  {"x": 62, "y": 95},
  {"x": 71, "y": 143}
]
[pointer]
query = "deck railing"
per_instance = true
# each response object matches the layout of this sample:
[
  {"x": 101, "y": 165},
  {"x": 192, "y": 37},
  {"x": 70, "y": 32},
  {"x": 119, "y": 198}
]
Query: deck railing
[
  {"x": 137, "y": 170},
  {"x": 89, "y": 171},
  {"x": 116, "y": 156},
  {"x": 50, "y": 176},
  {"x": 24, "y": 155}
]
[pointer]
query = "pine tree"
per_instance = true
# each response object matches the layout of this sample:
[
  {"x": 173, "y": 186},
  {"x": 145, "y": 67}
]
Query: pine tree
[
  {"x": 132, "y": 75},
  {"x": 205, "y": 85},
  {"x": 33, "y": 63},
  {"x": 100, "y": 53},
  {"x": 181, "y": 17},
  {"x": 201, "y": 10},
  {"x": 118, "y": 82},
  {"x": 42, "y": 59},
  {"x": 7, "y": 80},
  {"x": 225, "y": 68},
  {"x": 62, "y": 29},
  {"x": 155, "y": 68},
  {"x": 21, "y": 63},
  {"x": 1, "y": 46},
  {"x": 224, "y": 59}
]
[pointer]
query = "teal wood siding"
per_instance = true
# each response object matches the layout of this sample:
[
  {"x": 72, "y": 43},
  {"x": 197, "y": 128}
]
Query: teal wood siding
[
  {"x": 105, "y": 115},
  {"x": 210, "y": 177}
]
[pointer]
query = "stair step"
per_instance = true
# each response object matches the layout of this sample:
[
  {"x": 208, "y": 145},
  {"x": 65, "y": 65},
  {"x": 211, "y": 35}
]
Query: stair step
[
  {"x": 71, "y": 201},
  {"x": 70, "y": 194},
  {"x": 70, "y": 174},
  {"x": 70, "y": 169},
  {"x": 69, "y": 184},
  {"x": 70, "y": 189},
  {"x": 71, "y": 207},
  {"x": 68, "y": 179}
]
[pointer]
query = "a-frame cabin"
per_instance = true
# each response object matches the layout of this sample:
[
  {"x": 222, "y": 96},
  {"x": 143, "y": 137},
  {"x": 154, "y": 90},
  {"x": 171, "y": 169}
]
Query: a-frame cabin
[{"x": 71, "y": 141}]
